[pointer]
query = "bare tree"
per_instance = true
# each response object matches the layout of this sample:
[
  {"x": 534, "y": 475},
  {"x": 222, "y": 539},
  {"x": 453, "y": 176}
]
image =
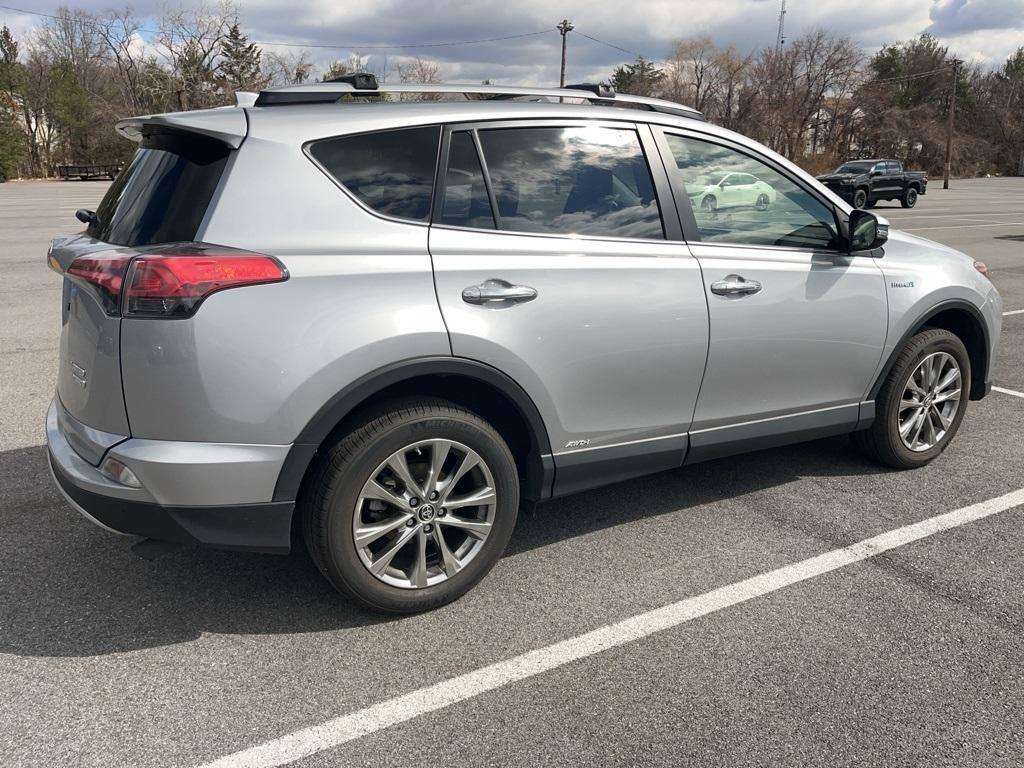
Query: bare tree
[
  {"x": 120, "y": 32},
  {"x": 191, "y": 40},
  {"x": 289, "y": 68},
  {"x": 419, "y": 71},
  {"x": 692, "y": 74}
]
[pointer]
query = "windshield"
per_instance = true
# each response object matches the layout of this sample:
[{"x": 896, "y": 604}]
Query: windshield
[{"x": 854, "y": 168}]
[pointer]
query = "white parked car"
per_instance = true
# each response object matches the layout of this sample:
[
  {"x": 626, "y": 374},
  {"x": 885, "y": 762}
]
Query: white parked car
[{"x": 731, "y": 190}]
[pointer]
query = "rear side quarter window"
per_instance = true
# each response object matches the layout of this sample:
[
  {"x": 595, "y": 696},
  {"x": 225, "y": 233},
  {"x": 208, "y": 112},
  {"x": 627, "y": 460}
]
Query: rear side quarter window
[{"x": 391, "y": 172}]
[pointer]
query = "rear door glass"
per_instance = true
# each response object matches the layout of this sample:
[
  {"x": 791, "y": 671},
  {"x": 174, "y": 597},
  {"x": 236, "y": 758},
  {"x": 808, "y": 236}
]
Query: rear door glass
[
  {"x": 466, "y": 203},
  {"x": 391, "y": 172},
  {"x": 587, "y": 180},
  {"x": 162, "y": 195}
]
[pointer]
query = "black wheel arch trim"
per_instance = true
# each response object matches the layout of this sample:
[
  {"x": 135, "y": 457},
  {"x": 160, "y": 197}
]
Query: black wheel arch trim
[
  {"x": 979, "y": 387},
  {"x": 539, "y": 481}
]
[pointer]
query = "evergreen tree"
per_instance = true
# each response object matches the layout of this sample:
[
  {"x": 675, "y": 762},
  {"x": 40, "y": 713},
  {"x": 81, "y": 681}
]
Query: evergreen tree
[
  {"x": 12, "y": 138},
  {"x": 641, "y": 78},
  {"x": 240, "y": 61}
]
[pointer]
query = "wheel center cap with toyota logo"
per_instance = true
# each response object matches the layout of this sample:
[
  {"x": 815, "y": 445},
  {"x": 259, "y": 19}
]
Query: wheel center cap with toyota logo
[{"x": 425, "y": 513}]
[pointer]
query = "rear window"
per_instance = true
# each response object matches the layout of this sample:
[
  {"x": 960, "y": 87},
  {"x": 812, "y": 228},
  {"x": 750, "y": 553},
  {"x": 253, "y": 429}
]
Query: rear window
[
  {"x": 162, "y": 195},
  {"x": 392, "y": 172}
]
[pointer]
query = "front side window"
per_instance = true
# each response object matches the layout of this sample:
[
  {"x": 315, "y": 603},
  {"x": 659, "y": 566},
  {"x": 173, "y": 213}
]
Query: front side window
[
  {"x": 582, "y": 180},
  {"x": 737, "y": 199},
  {"x": 392, "y": 172}
]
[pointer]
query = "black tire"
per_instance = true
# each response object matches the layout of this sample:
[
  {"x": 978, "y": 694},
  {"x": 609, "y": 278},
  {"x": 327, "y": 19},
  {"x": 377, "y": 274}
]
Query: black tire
[
  {"x": 762, "y": 202},
  {"x": 881, "y": 441},
  {"x": 909, "y": 199},
  {"x": 709, "y": 203},
  {"x": 328, "y": 500},
  {"x": 860, "y": 198}
]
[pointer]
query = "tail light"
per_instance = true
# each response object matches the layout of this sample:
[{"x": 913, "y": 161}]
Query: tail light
[
  {"x": 171, "y": 282},
  {"x": 104, "y": 274}
]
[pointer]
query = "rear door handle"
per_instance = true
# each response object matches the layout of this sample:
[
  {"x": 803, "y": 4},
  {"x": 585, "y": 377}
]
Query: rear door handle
[
  {"x": 734, "y": 285},
  {"x": 498, "y": 293}
]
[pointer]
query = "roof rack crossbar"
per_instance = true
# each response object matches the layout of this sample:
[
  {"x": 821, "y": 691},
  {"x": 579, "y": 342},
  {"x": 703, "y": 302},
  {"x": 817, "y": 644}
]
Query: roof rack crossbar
[{"x": 322, "y": 93}]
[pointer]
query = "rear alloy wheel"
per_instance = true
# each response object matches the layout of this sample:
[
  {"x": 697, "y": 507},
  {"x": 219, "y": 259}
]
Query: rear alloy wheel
[
  {"x": 412, "y": 507},
  {"x": 860, "y": 198},
  {"x": 909, "y": 199},
  {"x": 922, "y": 402},
  {"x": 762, "y": 202},
  {"x": 411, "y": 537}
]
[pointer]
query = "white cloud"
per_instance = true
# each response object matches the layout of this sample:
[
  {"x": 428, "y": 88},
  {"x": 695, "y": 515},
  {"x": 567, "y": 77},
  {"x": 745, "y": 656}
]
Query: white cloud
[{"x": 643, "y": 26}]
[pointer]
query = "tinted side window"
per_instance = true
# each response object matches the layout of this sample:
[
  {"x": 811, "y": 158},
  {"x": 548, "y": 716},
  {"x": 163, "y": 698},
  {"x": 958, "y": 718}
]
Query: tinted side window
[
  {"x": 585, "y": 180},
  {"x": 771, "y": 210},
  {"x": 466, "y": 203},
  {"x": 162, "y": 195},
  {"x": 391, "y": 171},
  {"x": 895, "y": 168}
]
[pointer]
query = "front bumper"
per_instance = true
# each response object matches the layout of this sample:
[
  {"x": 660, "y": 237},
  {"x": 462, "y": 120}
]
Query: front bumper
[{"x": 181, "y": 500}]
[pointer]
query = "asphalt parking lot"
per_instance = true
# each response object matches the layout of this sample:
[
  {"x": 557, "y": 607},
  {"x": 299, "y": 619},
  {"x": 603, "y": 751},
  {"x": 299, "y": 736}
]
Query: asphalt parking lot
[{"x": 912, "y": 656}]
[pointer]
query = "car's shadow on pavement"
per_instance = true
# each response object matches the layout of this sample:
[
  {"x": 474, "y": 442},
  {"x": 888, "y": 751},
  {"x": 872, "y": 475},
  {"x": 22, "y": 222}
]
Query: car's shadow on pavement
[{"x": 68, "y": 588}]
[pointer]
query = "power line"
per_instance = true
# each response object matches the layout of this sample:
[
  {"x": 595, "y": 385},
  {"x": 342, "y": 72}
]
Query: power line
[
  {"x": 345, "y": 46},
  {"x": 611, "y": 45},
  {"x": 915, "y": 76}
]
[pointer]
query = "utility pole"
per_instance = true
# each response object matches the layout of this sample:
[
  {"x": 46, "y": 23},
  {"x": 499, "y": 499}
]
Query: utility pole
[
  {"x": 781, "y": 37},
  {"x": 564, "y": 28},
  {"x": 949, "y": 125}
]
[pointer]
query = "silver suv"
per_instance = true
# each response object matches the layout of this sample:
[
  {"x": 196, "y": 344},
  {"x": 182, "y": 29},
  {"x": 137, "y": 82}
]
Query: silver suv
[{"x": 388, "y": 324}]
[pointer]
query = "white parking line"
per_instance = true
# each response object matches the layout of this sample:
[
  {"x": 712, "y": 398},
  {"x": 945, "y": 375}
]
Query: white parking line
[
  {"x": 1013, "y": 392},
  {"x": 1014, "y": 312},
  {"x": 345, "y": 728},
  {"x": 966, "y": 226},
  {"x": 951, "y": 214}
]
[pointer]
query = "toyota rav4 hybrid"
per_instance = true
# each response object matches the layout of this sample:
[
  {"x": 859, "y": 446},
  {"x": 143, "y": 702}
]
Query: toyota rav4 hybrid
[{"x": 384, "y": 325}]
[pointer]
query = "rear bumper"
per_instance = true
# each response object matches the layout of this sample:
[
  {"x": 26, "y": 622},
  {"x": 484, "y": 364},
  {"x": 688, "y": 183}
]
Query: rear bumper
[{"x": 157, "y": 510}]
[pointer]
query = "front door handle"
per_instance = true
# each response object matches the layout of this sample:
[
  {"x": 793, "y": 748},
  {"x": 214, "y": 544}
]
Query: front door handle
[
  {"x": 734, "y": 285},
  {"x": 498, "y": 293}
]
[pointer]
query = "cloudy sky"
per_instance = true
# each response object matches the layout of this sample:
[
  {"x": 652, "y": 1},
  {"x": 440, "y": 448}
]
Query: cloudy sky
[{"x": 980, "y": 30}]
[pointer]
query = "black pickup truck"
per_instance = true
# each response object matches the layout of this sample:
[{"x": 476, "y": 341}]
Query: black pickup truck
[{"x": 862, "y": 183}]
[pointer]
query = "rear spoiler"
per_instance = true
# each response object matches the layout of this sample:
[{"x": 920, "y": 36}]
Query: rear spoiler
[{"x": 225, "y": 124}]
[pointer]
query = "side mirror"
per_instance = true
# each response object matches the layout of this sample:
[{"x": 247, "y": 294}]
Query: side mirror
[
  {"x": 875, "y": 172},
  {"x": 867, "y": 231}
]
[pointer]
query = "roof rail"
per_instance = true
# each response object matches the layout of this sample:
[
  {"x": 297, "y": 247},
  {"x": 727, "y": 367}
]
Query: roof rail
[{"x": 325, "y": 93}]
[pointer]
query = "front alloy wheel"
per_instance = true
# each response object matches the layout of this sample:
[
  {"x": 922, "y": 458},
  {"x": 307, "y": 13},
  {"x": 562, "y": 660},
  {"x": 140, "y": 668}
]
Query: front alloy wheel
[
  {"x": 930, "y": 401},
  {"x": 921, "y": 402}
]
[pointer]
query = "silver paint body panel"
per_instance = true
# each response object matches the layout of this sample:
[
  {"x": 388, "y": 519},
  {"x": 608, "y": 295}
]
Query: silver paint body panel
[
  {"x": 613, "y": 347},
  {"x": 812, "y": 338}
]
